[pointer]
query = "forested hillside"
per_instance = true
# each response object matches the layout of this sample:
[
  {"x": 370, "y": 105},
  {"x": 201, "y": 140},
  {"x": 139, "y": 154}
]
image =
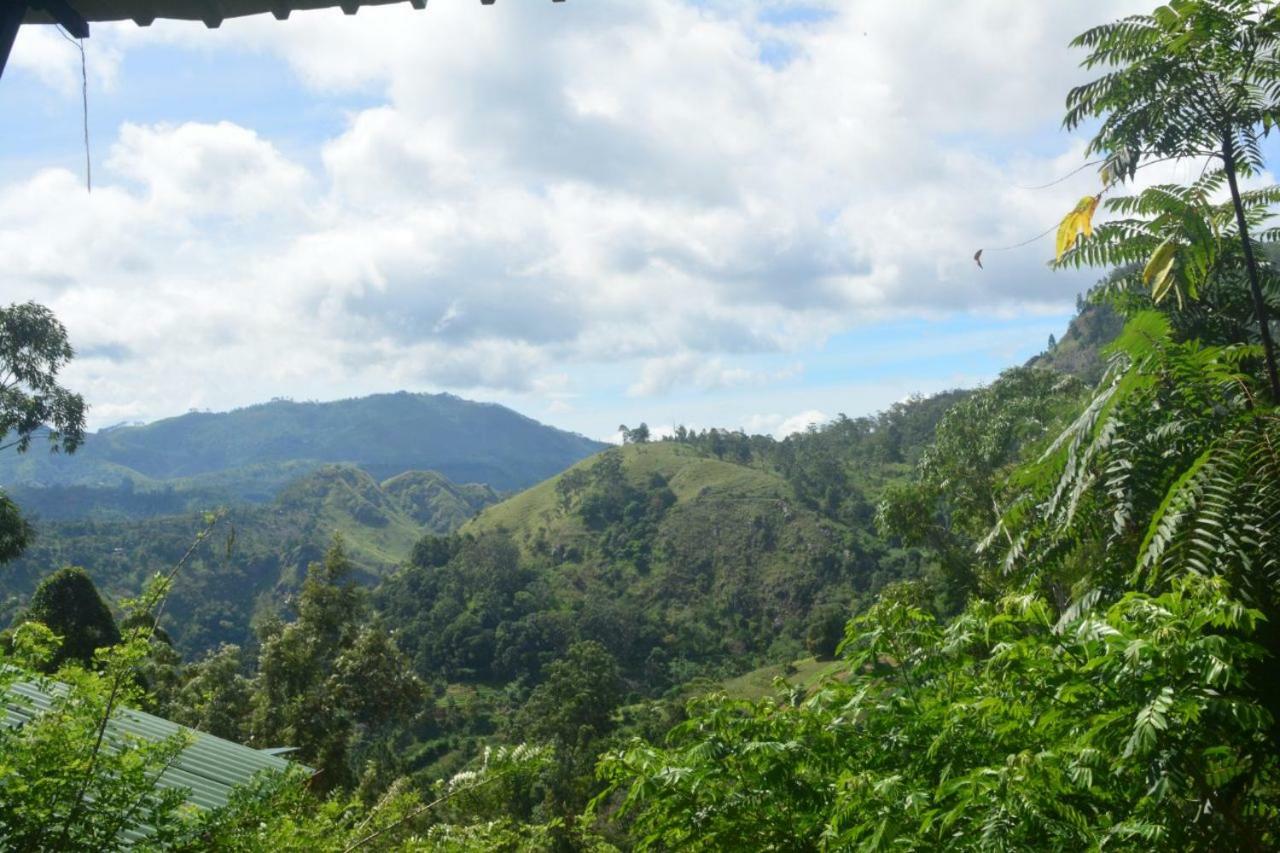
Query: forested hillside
[
  {"x": 679, "y": 564},
  {"x": 1079, "y": 352},
  {"x": 655, "y": 571},
  {"x": 260, "y": 555},
  {"x": 205, "y": 459},
  {"x": 1040, "y": 614}
]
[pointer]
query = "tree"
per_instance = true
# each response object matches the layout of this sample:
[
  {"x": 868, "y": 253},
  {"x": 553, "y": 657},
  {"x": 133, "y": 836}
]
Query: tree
[
  {"x": 68, "y": 604},
  {"x": 1194, "y": 79},
  {"x": 1115, "y": 687},
  {"x": 33, "y": 349},
  {"x": 62, "y": 788},
  {"x": 639, "y": 435},
  {"x": 1129, "y": 726},
  {"x": 826, "y": 630},
  {"x": 954, "y": 498},
  {"x": 215, "y": 696},
  {"x": 577, "y": 699},
  {"x": 571, "y": 711},
  {"x": 330, "y": 682},
  {"x": 15, "y": 531}
]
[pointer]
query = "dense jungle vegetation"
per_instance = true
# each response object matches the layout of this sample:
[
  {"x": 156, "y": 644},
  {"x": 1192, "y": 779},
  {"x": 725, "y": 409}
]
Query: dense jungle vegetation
[{"x": 1043, "y": 614}]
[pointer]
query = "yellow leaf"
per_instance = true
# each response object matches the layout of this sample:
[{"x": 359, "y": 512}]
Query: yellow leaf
[
  {"x": 1079, "y": 220},
  {"x": 1161, "y": 288},
  {"x": 1158, "y": 273},
  {"x": 1161, "y": 260}
]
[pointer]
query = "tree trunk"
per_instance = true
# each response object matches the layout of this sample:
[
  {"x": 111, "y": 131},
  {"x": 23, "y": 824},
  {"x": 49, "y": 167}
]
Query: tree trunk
[{"x": 1255, "y": 286}]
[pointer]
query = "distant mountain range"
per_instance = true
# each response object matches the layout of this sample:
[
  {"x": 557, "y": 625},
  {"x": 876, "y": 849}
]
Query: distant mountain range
[
  {"x": 250, "y": 454},
  {"x": 729, "y": 556}
]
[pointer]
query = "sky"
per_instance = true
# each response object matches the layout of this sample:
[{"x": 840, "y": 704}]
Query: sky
[{"x": 740, "y": 213}]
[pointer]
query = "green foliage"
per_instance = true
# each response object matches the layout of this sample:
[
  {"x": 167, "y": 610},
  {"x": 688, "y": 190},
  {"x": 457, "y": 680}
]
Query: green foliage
[
  {"x": 1179, "y": 248},
  {"x": 572, "y": 710},
  {"x": 215, "y": 695},
  {"x": 436, "y": 503},
  {"x": 955, "y": 497},
  {"x": 1104, "y": 678},
  {"x": 1125, "y": 726},
  {"x": 330, "y": 682},
  {"x": 1195, "y": 79},
  {"x": 685, "y": 565},
  {"x": 15, "y": 531},
  {"x": 1114, "y": 689},
  {"x": 1080, "y": 514},
  {"x": 62, "y": 785},
  {"x": 1177, "y": 80},
  {"x": 229, "y": 582},
  {"x": 470, "y": 618},
  {"x": 467, "y": 812},
  {"x": 33, "y": 350},
  {"x": 826, "y": 629},
  {"x": 639, "y": 435},
  {"x": 68, "y": 604}
]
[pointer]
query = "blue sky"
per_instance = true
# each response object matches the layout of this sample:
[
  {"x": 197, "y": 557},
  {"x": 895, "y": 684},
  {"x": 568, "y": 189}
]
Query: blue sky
[{"x": 717, "y": 213}]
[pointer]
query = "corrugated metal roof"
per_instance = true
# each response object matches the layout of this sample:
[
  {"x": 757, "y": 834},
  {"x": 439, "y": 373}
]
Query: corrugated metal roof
[
  {"x": 212, "y": 12},
  {"x": 207, "y": 769}
]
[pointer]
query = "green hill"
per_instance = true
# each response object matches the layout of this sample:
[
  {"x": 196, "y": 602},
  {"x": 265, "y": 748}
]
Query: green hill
[
  {"x": 681, "y": 564},
  {"x": 1079, "y": 351},
  {"x": 250, "y": 454},
  {"x": 436, "y": 503},
  {"x": 218, "y": 593}
]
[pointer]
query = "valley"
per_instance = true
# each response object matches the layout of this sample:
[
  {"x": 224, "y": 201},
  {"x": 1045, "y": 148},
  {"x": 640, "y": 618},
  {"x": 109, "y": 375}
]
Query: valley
[{"x": 891, "y": 550}]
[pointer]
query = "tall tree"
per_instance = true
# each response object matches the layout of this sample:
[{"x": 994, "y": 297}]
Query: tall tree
[
  {"x": 331, "y": 681},
  {"x": 68, "y": 604},
  {"x": 15, "y": 531},
  {"x": 572, "y": 710},
  {"x": 33, "y": 349},
  {"x": 1194, "y": 79}
]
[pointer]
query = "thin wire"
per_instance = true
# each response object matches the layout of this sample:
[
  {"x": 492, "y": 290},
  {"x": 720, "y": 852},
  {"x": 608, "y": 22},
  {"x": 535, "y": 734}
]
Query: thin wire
[
  {"x": 1054, "y": 183},
  {"x": 1105, "y": 189},
  {"x": 84, "y": 100},
  {"x": 1039, "y": 236}
]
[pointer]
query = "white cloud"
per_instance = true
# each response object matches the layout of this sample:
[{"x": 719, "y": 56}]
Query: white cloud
[
  {"x": 690, "y": 370},
  {"x": 780, "y": 426},
  {"x": 800, "y": 423},
  {"x": 55, "y": 61},
  {"x": 209, "y": 170},
  {"x": 546, "y": 189}
]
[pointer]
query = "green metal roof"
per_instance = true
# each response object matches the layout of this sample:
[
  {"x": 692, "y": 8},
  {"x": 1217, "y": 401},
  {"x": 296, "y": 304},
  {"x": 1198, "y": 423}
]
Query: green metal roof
[{"x": 207, "y": 769}]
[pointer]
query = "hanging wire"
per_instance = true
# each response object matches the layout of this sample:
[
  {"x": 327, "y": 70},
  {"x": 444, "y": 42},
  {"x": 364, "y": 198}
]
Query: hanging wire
[
  {"x": 1065, "y": 177},
  {"x": 84, "y": 100},
  {"x": 1040, "y": 236},
  {"x": 1045, "y": 233}
]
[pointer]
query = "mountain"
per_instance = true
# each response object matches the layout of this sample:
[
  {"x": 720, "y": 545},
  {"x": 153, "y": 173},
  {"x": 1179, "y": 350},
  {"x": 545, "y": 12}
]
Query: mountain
[
  {"x": 435, "y": 502},
  {"x": 1079, "y": 351},
  {"x": 201, "y": 459},
  {"x": 680, "y": 563},
  {"x": 258, "y": 556}
]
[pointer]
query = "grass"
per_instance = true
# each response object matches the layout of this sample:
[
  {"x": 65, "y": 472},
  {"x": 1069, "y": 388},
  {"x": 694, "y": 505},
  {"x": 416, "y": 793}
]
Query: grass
[
  {"x": 690, "y": 476},
  {"x": 808, "y": 673}
]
